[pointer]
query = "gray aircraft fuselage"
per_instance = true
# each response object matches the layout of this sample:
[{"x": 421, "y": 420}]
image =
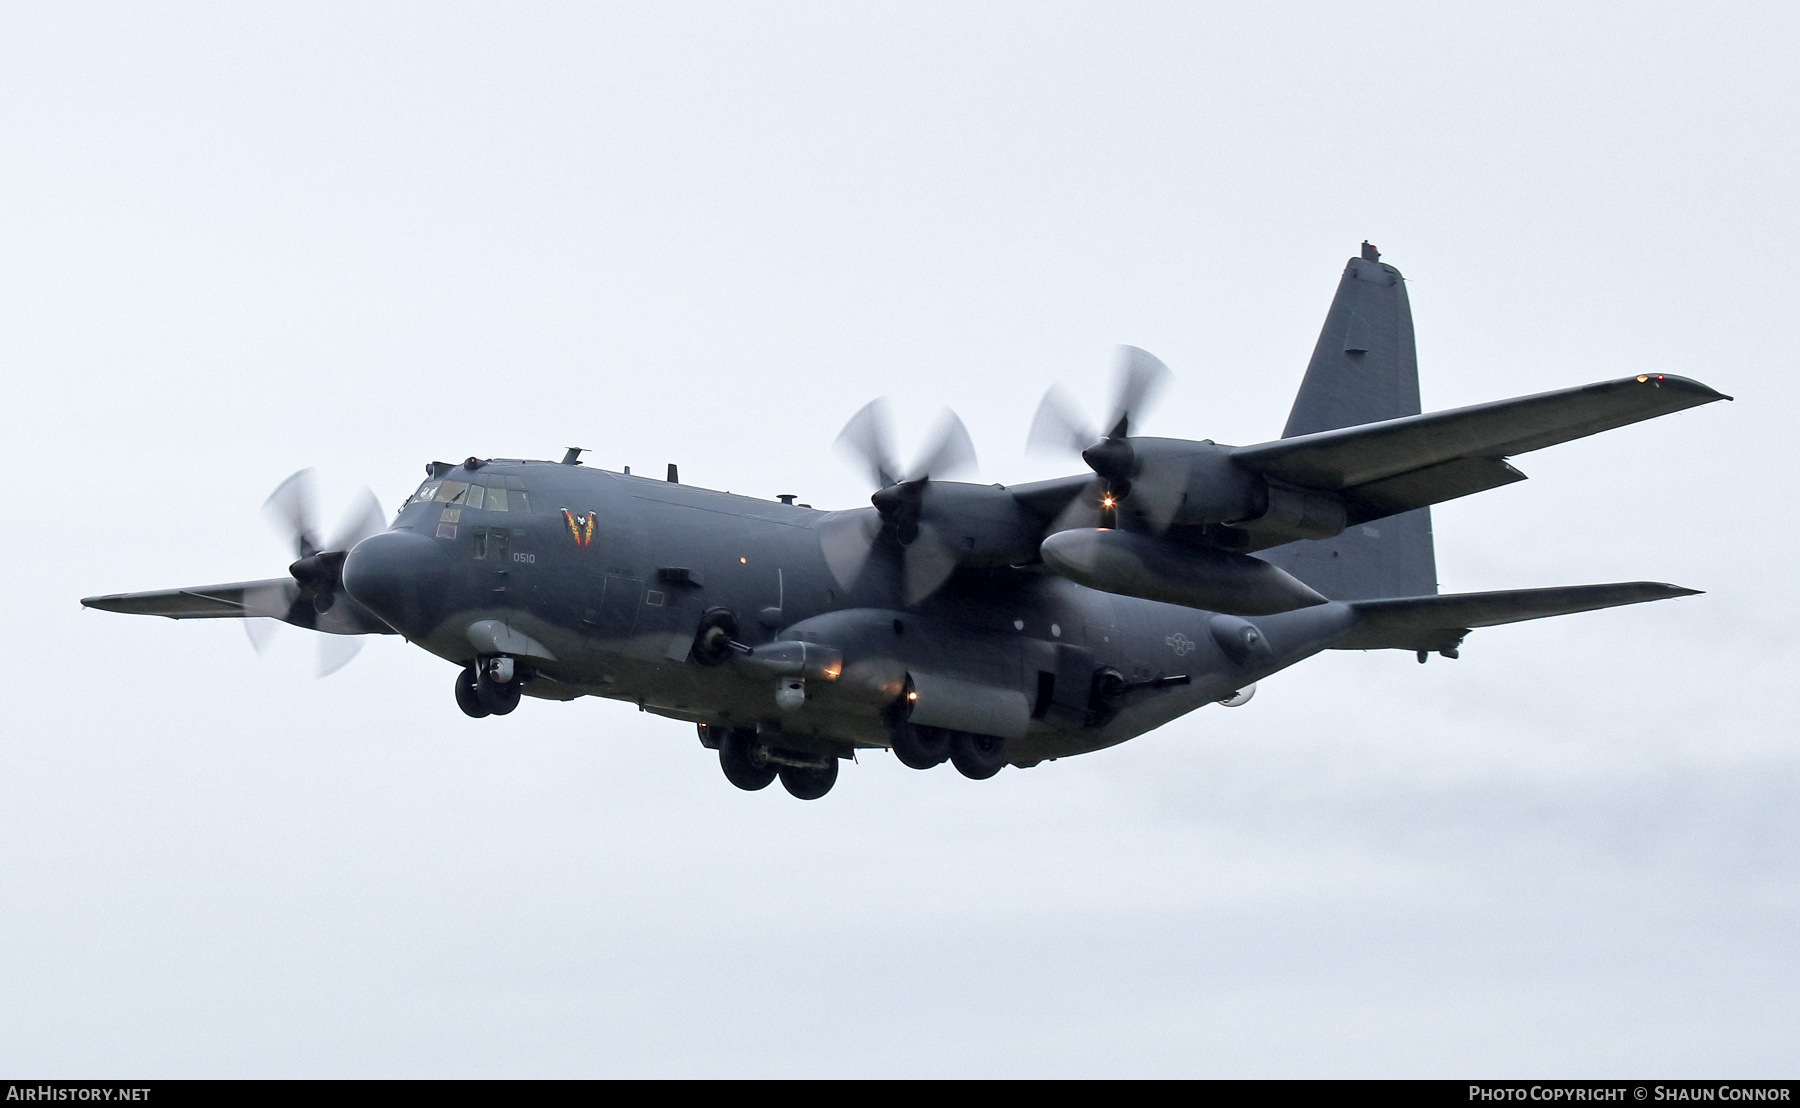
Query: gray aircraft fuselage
[{"x": 611, "y": 610}]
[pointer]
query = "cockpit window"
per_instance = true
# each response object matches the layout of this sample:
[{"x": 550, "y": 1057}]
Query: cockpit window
[{"x": 490, "y": 492}]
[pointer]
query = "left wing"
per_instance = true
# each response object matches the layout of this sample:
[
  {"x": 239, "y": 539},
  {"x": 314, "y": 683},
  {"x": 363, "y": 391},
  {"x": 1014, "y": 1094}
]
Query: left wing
[{"x": 1398, "y": 464}]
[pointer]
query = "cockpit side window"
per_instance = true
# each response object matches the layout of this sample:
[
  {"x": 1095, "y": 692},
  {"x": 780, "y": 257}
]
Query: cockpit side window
[{"x": 426, "y": 492}]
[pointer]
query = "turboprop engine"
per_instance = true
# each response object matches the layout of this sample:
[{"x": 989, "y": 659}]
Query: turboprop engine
[{"x": 1131, "y": 564}]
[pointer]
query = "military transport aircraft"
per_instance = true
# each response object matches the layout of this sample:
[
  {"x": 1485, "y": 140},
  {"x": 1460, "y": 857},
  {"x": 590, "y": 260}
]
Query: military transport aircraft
[{"x": 984, "y": 625}]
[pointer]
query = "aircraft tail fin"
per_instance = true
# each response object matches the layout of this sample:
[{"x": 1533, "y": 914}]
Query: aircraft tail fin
[{"x": 1364, "y": 369}]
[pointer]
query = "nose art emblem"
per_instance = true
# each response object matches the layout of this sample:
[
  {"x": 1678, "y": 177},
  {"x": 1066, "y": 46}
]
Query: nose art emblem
[
  {"x": 581, "y": 528},
  {"x": 1179, "y": 643}
]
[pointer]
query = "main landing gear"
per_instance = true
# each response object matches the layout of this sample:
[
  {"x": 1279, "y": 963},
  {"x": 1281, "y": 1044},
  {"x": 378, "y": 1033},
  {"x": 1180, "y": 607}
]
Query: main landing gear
[
  {"x": 490, "y": 687},
  {"x": 751, "y": 764},
  {"x": 977, "y": 757}
]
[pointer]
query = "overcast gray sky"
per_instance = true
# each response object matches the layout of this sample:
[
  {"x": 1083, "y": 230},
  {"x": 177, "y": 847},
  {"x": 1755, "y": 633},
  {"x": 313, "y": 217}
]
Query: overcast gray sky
[{"x": 238, "y": 240}]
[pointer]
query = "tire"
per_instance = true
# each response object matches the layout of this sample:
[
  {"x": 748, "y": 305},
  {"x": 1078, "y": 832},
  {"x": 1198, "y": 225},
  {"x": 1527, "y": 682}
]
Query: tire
[
  {"x": 978, "y": 757},
  {"x": 497, "y": 699},
  {"x": 809, "y": 783},
  {"x": 737, "y": 757},
  {"x": 920, "y": 747},
  {"x": 466, "y": 697}
]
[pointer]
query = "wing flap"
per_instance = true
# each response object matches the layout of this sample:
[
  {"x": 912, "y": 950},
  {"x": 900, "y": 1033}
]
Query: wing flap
[
  {"x": 1440, "y": 622},
  {"x": 1358, "y": 456},
  {"x": 1431, "y": 485}
]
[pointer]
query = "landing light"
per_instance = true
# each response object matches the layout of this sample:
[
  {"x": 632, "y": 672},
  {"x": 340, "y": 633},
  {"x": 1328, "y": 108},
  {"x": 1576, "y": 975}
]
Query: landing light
[
  {"x": 912, "y": 696},
  {"x": 1106, "y": 501}
]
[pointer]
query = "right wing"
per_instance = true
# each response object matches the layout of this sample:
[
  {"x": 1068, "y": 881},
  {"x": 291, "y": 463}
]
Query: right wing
[
  {"x": 278, "y": 598},
  {"x": 234, "y": 601}
]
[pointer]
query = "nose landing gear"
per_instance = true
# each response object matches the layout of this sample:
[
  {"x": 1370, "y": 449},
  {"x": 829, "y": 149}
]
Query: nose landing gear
[{"x": 490, "y": 687}]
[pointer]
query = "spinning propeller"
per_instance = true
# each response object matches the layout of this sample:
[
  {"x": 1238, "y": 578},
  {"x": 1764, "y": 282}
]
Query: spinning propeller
[
  {"x": 1121, "y": 477},
  {"x": 315, "y": 597},
  {"x": 901, "y": 521}
]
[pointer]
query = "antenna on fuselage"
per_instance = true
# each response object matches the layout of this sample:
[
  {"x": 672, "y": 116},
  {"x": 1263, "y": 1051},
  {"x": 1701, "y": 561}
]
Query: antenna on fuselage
[{"x": 573, "y": 456}]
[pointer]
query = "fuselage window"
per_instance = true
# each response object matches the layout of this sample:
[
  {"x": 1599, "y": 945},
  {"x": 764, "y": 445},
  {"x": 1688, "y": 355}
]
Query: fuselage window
[{"x": 492, "y": 543}]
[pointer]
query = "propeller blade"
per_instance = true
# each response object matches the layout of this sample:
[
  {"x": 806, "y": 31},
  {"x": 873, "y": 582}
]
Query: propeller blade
[
  {"x": 846, "y": 539},
  {"x": 271, "y": 601},
  {"x": 1141, "y": 376},
  {"x": 1057, "y": 428},
  {"x": 290, "y": 510},
  {"x": 929, "y": 563},
  {"x": 364, "y": 518},
  {"x": 260, "y": 632},
  {"x": 336, "y": 652},
  {"x": 951, "y": 451},
  {"x": 867, "y": 439}
]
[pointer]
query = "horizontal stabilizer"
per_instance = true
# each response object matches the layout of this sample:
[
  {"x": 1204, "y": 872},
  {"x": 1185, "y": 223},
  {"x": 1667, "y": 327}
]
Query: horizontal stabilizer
[
  {"x": 203, "y": 602},
  {"x": 1440, "y": 622},
  {"x": 1424, "y": 459}
]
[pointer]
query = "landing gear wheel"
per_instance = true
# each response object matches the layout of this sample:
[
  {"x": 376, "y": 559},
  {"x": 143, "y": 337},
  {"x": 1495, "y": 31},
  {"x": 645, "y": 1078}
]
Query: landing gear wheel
[
  {"x": 466, "y": 697},
  {"x": 978, "y": 757},
  {"x": 740, "y": 756},
  {"x": 920, "y": 747},
  {"x": 496, "y": 697},
  {"x": 809, "y": 782}
]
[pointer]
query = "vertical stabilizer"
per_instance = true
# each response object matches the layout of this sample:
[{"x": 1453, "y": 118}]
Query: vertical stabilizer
[{"x": 1364, "y": 370}]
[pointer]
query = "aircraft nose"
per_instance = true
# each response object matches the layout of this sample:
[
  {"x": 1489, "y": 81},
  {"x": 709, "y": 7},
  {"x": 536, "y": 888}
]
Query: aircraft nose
[{"x": 401, "y": 576}]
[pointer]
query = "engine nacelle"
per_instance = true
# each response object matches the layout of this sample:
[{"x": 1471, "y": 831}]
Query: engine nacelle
[
  {"x": 1130, "y": 564},
  {"x": 1215, "y": 489},
  {"x": 983, "y": 524}
]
